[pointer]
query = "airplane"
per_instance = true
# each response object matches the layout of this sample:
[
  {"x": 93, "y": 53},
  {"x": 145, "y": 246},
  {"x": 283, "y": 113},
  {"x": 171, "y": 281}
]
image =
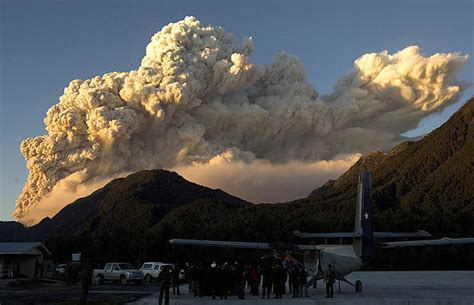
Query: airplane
[{"x": 345, "y": 259}]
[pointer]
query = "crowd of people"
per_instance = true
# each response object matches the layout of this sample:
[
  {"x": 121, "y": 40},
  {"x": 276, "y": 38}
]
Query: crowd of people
[
  {"x": 232, "y": 279},
  {"x": 271, "y": 280}
]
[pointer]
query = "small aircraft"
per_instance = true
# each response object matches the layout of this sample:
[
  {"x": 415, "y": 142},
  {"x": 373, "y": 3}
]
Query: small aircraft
[{"x": 344, "y": 258}]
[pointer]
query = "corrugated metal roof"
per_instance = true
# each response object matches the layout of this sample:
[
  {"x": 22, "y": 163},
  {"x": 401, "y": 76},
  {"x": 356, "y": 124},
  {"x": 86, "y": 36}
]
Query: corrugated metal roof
[{"x": 21, "y": 248}]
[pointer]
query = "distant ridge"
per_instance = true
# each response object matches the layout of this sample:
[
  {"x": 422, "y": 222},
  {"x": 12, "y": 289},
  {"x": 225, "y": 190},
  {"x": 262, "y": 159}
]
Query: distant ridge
[{"x": 138, "y": 200}]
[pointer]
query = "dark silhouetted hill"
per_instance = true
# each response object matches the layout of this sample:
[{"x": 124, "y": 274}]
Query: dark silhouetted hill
[
  {"x": 13, "y": 231},
  {"x": 135, "y": 202}
]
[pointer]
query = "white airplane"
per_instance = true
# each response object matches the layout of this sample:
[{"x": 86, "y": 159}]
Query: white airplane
[{"x": 344, "y": 258}]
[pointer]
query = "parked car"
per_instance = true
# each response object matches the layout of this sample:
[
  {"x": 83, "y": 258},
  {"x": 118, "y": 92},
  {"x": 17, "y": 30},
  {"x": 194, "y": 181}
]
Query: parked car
[
  {"x": 121, "y": 272},
  {"x": 151, "y": 270},
  {"x": 61, "y": 268}
]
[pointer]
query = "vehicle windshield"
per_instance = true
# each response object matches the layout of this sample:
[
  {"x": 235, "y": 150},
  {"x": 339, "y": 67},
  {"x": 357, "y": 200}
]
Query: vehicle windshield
[{"x": 125, "y": 266}]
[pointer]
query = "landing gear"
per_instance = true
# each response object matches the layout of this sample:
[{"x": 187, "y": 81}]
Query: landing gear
[{"x": 357, "y": 285}]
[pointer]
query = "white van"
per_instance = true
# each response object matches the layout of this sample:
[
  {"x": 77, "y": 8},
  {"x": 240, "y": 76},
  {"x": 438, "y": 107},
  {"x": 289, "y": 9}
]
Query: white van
[{"x": 151, "y": 270}]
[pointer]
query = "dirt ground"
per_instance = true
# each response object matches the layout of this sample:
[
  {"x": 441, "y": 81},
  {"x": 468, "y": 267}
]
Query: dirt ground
[
  {"x": 380, "y": 288},
  {"x": 57, "y": 292}
]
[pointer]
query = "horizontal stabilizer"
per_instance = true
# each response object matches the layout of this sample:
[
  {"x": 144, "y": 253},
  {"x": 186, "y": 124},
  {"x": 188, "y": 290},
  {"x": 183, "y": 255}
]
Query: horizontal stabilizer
[
  {"x": 429, "y": 242},
  {"x": 419, "y": 233},
  {"x": 326, "y": 235}
]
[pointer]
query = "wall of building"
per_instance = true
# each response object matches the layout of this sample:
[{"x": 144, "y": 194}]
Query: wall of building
[{"x": 25, "y": 262}]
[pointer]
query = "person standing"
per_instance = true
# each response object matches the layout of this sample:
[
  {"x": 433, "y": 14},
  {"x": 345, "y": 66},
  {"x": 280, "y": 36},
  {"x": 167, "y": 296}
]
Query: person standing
[
  {"x": 86, "y": 281},
  {"x": 226, "y": 280},
  {"x": 330, "y": 278},
  {"x": 193, "y": 280},
  {"x": 294, "y": 282},
  {"x": 266, "y": 282},
  {"x": 176, "y": 271},
  {"x": 238, "y": 281},
  {"x": 200, "y": 280},
  {"x": 69, "y": 274},
  {"x": 212, "y": 280},
  {"x": 165, "y": 280},
  {"x": 280, "y": 280},
  {"x": 254, "y": 280},
  {"x": 303, "y": 275}
]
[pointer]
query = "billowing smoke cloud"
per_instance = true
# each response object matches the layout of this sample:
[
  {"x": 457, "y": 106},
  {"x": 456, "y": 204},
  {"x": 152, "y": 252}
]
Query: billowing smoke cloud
[
  {"x": 196, "y": 95},
  {"x": 262, "y": 181},
  {"x": 64, "y": 192}
]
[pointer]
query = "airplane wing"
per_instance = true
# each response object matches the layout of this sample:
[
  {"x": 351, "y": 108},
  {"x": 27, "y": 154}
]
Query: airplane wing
[
  {"x": 419, "y": 233},
  {"x": 429, "y": 242},
  {"x": 326, "y": 235},
  {"x": 239, "y": 244}
]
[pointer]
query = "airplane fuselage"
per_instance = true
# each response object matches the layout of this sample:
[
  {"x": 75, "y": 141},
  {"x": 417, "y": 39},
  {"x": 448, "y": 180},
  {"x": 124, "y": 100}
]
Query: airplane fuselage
[{"x": 343, "y": 258}]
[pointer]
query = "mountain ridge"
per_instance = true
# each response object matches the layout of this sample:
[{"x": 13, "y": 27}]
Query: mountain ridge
[{"x": 149, "y": 193}]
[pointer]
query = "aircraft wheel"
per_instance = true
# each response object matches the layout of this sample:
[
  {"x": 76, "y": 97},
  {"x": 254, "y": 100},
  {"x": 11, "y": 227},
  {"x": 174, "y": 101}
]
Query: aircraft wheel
[{"x": 358, "y": 286}]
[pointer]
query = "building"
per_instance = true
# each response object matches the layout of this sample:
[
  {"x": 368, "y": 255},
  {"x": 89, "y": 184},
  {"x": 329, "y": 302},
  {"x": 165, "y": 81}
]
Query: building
[{"x": 21, "y": 258}]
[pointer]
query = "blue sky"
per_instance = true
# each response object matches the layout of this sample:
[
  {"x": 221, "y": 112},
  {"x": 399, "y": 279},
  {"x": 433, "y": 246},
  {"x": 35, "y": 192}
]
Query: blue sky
[{"x": 44, "y": 45}]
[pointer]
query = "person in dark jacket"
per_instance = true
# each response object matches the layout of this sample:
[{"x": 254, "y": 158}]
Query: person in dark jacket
[
  {"x": 175, "y": 274},
  {"x": 193, "y": 278},
  {"x": 165, "y": 280},
  {"x": 69, "y": 274},
  {"x": 212, "y": 280},
  {"x": 267, "y": 281},
  {"x": 86, "y": 281},
  {"x": 254, "y": 280},
  {"x": 200, "y": 280},
  {"x": 295, "y": 282},
  {"x": 238, "y": 280},
  {"x": 303, "y": 275},
  {"x": 247, "y": 276},
  {"x": 226, "y": 278},
  {"x": 330, "y": 278},
  {"x": 280, "y": 280}
]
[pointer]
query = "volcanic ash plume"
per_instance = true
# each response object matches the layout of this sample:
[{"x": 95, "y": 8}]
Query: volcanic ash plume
[{"x": 196, "y": 95}]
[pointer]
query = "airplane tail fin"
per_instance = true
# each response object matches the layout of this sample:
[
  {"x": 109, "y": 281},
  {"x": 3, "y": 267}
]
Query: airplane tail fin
[
  {"x": 363, "y": 234},
  {"x": 364, "y": 245}
]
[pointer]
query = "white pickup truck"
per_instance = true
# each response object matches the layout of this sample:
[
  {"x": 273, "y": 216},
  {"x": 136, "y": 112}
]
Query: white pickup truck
[
  {"x": 118, "y": 272},
  {"x": 151, "y": 270}
]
